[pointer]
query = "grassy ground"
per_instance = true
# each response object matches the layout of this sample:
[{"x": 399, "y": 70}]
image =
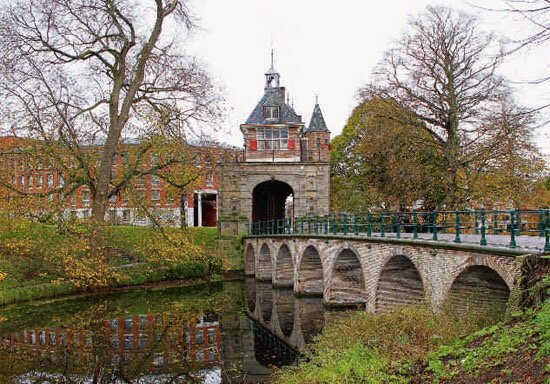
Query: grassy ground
[
  {"x": 368, "y": 348},
  {"x": 30, "y": 268},
  {"x": 411, "y": 345}
]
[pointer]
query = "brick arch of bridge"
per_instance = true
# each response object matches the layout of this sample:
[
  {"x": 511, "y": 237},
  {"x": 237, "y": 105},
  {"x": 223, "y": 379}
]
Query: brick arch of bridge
[
  {"x": 379, "y": 255},
  {"x": 413, "y": 274},
  {"x": 338, "y": 268},
  {"x": 284, "y": 270},
  {"x": 303, "y": 250},
  {"x": 505, "y": 267}
]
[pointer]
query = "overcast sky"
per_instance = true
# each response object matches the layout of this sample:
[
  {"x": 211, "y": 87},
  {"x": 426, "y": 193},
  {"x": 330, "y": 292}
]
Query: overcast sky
[{"x": 328, "y": 48}]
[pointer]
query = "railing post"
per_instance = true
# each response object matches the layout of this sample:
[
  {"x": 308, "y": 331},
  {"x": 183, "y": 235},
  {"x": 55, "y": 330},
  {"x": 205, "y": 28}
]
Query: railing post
[
  {"x": 415, "y": 225},
  {"x": 541, "y": 224},
  {"x": 398, "y": 229},
  {"x": 495, "y": 222},
  {"x": 476, "y": 223},
  {"x": 317, "y": 225},
  {"x": 382, "y": 225},
  {"x": 345, "y": 225},
  {"x": 547, "y": 232},
  {"x": 512, "y": 230},
  {"x": 434, "y": 221},
  {"x": 457, "y": 226},
  {"x": 369, "y": 224},
  {"x": 355, "y": 225},
  {"x": 518, "y": 223},
  {"x": 334, "y": 226},
  {"x": 483, "y": 240}
]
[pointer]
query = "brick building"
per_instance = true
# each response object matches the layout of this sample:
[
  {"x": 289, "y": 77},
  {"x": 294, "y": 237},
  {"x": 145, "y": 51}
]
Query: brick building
[
  {"x": 199, "y": 203},
  {"x": 285, "y": 168}
]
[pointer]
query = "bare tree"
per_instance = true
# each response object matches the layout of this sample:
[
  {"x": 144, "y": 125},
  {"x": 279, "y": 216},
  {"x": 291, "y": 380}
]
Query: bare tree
[
  {"x": 77, "y": 73},
  {"x": 444, "y": 69}
]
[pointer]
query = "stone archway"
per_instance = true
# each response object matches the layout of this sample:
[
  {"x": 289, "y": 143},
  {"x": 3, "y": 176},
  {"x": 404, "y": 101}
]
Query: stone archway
[
  {"x": 347, "y": 282},
  {"x": 310, "y": 272},
  {"x": 250, "y": 261},
  {"x": 284, "y": 268},
  {"x": 265, "y": 268},
  {"x": 399, "y": 284},
  {"x": 270, "y": 202},
  {"x": 478, "y": 289}
]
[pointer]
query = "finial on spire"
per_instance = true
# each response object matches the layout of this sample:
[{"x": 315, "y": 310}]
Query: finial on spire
[
  {"x": 316, "y": 98},
  {"x": 272, "y": 66}
]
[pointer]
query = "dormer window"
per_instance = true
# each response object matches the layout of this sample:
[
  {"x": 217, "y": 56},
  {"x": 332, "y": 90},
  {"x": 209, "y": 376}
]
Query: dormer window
[{"x": 271, "y": 113}]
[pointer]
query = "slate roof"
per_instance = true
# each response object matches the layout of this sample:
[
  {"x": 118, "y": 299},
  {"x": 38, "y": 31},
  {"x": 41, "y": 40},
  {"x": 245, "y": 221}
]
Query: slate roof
[
  {"x": 317, "y": 122},
  {"x": 272, "y": 98}
]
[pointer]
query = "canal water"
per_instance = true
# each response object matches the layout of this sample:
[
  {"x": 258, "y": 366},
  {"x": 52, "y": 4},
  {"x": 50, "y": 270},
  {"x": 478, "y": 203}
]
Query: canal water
[{"x": 226, "y": 332}]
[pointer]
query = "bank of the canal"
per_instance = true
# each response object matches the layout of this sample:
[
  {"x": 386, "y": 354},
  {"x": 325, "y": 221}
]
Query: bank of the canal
[
  {"x": 415, "y": 345},
  {"x": 40, "y": 262}
]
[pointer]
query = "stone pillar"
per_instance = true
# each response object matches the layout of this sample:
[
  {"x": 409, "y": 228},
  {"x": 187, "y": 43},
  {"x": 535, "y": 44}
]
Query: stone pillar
[{"x": 199, "y": 207}]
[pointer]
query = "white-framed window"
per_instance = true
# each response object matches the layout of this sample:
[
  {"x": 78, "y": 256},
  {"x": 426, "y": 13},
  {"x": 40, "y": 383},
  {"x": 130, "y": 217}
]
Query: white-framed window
[
  {"x": 61, "y": 181},
  {"x": 40, "y": 181},
  {"x": 30, "y": 181},
  {"x": 154, "y": 160},
  {"x": 271, "y": 113},
  {"x": 155, "y": 196},
  {"x": 22, "y": 181},
  {"x": 85, "y": 198},
  {"x": 50, "y": 180},
  {"x": 155, "y": 180},
  {"x": 210, "y": 179},
  {"x": 272, "y": 138}
]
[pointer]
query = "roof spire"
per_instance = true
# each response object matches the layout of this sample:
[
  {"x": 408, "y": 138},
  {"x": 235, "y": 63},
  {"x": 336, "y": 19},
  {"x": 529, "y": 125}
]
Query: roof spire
[
  {"x": 272, "y": 65},
  {"x": 316, "y": 98}
]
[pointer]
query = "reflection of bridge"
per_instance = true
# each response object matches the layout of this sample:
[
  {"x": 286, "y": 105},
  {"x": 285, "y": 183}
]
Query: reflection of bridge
[
  {"x": 349, "y": 263},
  {"x": 294, "y": 320}
]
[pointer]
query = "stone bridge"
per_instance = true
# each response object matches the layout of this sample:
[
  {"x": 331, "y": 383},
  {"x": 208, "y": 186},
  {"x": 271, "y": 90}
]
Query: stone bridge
[{"x": 383, "y": 273}]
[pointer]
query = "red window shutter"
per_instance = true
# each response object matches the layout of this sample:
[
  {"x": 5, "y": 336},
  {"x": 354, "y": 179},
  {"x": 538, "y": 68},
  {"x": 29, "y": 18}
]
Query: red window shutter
[
  {"x": 253, "y": 144},
  {"x": 291, "y": 144}
]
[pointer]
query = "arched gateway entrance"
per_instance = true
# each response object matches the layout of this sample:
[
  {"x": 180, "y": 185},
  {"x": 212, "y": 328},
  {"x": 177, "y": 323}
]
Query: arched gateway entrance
[{"x": 272, "y": 200}]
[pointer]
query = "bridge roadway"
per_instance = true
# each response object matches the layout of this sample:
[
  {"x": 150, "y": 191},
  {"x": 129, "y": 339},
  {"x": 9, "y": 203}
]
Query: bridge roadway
[{"x": 383, "y": 272}]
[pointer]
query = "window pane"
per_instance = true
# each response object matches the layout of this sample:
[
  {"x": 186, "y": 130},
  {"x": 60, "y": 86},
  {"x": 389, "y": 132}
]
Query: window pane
[
  {"x": 284, "y": 133},
  {"x": 268, "y": 145},
  {"x": 284, "y": 144},
  {"x": 260, "y": 134},
  {"x": 261, "y": 144},
  {"x": 275, "y": 134},
  {"x": 268, "y": 134}
]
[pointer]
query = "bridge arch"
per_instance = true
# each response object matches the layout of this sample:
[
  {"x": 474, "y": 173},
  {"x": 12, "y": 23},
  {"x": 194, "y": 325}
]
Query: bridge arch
[
  {"x": 310, "y": 272},
  {"x": 347, "y": 282},
  {"x": 480, "y": 289},
  {"x": 284, "y": 267},
  {"x": 399, "y": 283},
  {"x": 265, "y": 265},
  {"x": 250, "y": 261}
]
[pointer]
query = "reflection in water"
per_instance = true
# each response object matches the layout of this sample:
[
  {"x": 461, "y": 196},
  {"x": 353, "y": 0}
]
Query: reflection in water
[
  {"x": 293, "y": 319},
  {"x": 175, "y": 335}
]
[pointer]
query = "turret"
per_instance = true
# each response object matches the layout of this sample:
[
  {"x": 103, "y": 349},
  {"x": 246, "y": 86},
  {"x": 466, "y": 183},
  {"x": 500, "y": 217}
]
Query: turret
[{"x": 316, "y": 137}]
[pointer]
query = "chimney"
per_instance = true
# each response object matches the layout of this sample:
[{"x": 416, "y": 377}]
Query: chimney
[{"x": 282, "y": 91}]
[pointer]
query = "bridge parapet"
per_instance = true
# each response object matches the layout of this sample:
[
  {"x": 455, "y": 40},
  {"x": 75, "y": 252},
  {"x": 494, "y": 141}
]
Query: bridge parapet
[{"x": 524, "y": 230}]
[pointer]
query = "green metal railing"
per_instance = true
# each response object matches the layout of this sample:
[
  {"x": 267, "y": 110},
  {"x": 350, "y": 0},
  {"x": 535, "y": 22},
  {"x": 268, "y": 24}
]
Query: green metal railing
[{"x": 479, "y": 222}]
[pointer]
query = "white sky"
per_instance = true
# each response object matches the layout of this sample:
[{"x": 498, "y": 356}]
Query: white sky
[{"x": 328, "y": 48}]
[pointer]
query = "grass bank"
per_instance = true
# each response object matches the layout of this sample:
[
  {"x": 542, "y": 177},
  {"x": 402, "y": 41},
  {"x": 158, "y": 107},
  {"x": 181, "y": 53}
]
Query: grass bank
[
  {"x": 412, "y": 345},
  {"x": 40, "y": 261}
]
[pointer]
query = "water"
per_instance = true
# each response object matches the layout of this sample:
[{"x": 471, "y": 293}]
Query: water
[{"x": 231, "y": 332}]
